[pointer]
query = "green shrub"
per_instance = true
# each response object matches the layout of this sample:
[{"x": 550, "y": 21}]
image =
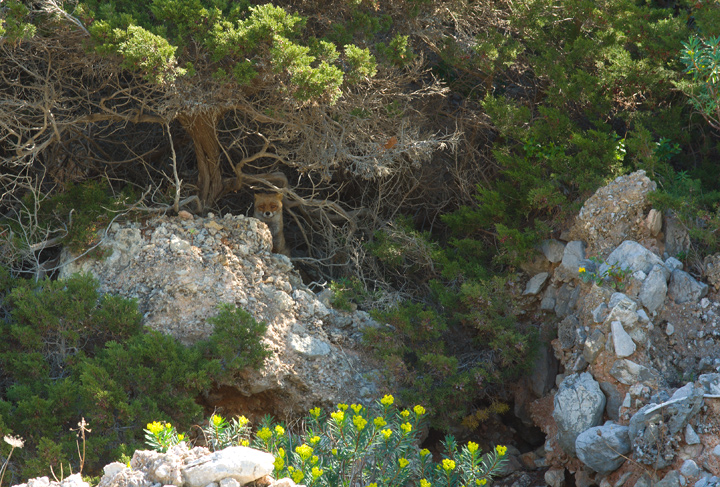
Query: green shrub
[{"x": 59, "y": 363}]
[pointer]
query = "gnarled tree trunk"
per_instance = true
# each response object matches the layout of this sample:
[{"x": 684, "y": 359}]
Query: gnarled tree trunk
[{"x": 202, "y": 129}]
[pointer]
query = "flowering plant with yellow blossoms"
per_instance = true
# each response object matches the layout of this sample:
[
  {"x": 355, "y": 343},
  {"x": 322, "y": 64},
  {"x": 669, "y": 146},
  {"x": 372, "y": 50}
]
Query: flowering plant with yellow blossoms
[
  {"x": 162, "y": 436},
  {"x": 372, "y": 446},
  {"x": 223, "y": 432},
  {"x": 375, "y": 446}
]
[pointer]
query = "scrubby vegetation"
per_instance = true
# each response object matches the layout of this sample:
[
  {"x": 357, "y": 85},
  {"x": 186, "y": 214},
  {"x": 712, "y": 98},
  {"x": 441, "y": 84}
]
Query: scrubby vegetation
[
  {"x": 429, "y": 146},
  {"x": 68, "y": 354}
]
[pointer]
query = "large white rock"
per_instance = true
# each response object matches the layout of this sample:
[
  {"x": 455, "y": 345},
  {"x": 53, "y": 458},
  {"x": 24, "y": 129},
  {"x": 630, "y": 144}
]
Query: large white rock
[{"x": 237, "y": 462}]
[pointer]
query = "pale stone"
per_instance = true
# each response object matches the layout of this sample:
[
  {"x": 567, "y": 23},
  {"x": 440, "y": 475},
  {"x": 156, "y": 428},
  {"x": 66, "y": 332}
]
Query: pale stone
[
  {"x": 624, "y": 346},
  {"x": 237, "y": 462}
]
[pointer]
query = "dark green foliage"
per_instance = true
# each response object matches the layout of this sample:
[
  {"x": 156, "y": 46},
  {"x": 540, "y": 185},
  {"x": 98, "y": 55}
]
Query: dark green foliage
[
  {"x": 83, "y": 209},
  {"x": 68, "y": 353},
  {"x": 468, "y": 351},
  {"x": 236, "y": 340}
]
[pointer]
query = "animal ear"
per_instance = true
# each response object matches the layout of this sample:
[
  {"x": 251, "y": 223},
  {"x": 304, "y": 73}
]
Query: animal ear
[{"x": 278, "y": 196}]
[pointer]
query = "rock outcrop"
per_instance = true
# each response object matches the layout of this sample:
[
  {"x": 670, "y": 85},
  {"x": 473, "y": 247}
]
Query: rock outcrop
[
  {"x": 638, "y": 343},
  {"x": 180, "y": 270}
]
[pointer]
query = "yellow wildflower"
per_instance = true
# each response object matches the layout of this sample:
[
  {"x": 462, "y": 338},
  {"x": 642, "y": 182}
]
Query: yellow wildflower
[
  {"x": 342, "y": 407},
  {"x": 316, "y": 472},
  {"x": 501, "y": 450},
  {"x": 581, "y": 270},
  {"x": 314, "y": 459},
  {"x": 357, "y": 408},
  {"x": 425, "y": 483},
  {"x": 359, "y": 422},
  {"x": 279, "y": 430},
  {"x": 297, "y": 476},
  {"x": 406, "y": 427},
  {"x": 338, "y": 416},
  {"x": 387, "y": 400},
  {"x": 245, "y": 442},
  {"x": 405, "y": 413},
  {"x": 448, "y": 465},
  {"x": 281, "y": 452},
  {"x": 379, "y": 422},
  {"x": 315, "y": 439},
  {"x": 472, "y": 446},
  {"x": 315, "y": 412},
  {"x": 264, "y": 434},
  {"x": 481, "y": 482},
  {"x": 216, "y": 420},
  {"x": 279, "y": 463},
  {"x": 372, "y": 484},
  {"x": 424, "y": 452},
  {"x": 304, "y": 451},
  {"x": 181, "y": 437},
  {"x": 419, "y": 410},
  {"x": 403, "y": 462},
  {"x": 386, "y": 433},
  {"x": 242, "y": 421},
  {"x": 155, "y": 427},
  {"x": 334, "y": 451}
]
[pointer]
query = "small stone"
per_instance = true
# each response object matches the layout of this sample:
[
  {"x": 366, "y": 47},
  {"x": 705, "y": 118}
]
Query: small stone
[
  {"x": 669, "y": 329},
  {"x": 536, "y": 283},
  {"x": 691, "y": 438},
  {"x": 653, "y": 222},
  {"x": 185, "y": 215},
  {"x": 690, "y": 469},
  {"x": 624, "y": 346},
  {"x": 555, "y": 477}
]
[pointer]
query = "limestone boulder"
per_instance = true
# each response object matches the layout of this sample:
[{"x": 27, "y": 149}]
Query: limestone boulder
[{"x": 578, "y": 406}]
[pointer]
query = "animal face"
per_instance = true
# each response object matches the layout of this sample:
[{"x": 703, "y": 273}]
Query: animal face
[{"x": 268, "y": 205}]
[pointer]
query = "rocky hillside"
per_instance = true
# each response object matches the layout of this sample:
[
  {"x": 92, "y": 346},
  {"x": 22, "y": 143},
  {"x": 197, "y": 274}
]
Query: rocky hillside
[
  {"x": 637, "y": 396},
  {"x": 627, "y": 395}
]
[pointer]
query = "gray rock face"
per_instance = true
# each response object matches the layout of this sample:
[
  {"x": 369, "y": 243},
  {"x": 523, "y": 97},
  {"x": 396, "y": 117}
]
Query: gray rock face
[
  {"x": 652, "y": 426},
  {"x": 567, "y": 332},
  {"x": 628, "y": 372},
  {"x": 579, "y": 404},
  {"x": 632, "y": 255},
  {"x": 536, "y": 283},
  {"x": 683, "y": 288},
  {"x": 237, "y": 462},
  {"x": 602, "y": 448},
  {"x": 711, "y": 383},
  {"x": 671, "y": 479},
  {"x": 613, "y": 400},
  {"x": 567, "y": 298},
  {"x": 691, "y": 437},
  {"x": 573, "y": 256},
  {"x": 677, "y": 240},
  {"x": 624, "y": 346},
  {"x": 654, "y": 289},
  {"x": 553, "y": 250},
  {"x": 593, "y": 345}
]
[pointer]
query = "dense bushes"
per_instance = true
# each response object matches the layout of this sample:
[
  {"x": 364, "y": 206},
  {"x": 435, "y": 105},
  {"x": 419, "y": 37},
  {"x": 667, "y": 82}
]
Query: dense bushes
[{"x": 68, "y": 354}]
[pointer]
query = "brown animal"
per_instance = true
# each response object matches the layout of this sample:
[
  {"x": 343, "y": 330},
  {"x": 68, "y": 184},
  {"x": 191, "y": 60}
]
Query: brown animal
[{"x": 268, "y": 209}]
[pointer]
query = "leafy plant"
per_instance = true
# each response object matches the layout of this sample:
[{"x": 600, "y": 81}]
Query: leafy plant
[
  {"x": 613, "y": 275},
  {"x": 375, "y": 446}
]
